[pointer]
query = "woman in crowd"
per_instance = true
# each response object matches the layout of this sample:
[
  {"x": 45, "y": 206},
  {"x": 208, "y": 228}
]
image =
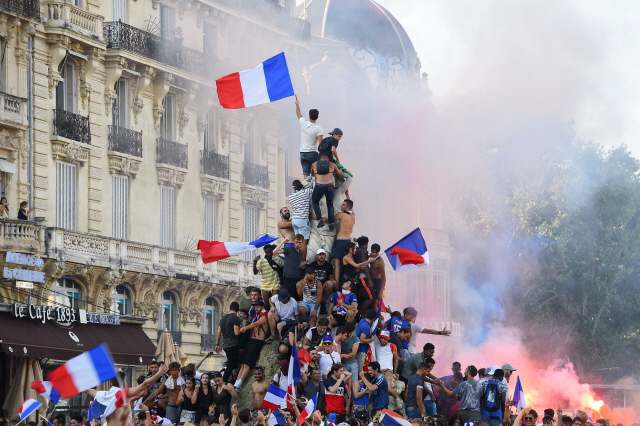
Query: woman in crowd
[
  {"x": 205, "y": 397},
  {"x": 4, "y": 208},
  {"x": 187, "y": 399},
  {"x": 222, "y": 394}
]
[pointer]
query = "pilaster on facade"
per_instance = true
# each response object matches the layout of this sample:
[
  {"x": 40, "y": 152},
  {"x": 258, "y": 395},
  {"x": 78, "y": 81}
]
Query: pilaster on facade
[{"x": 161, "y": 85}]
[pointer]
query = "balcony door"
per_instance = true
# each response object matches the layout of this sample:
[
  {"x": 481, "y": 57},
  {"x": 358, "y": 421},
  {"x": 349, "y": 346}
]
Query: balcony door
[
  {"x": 119, "y": 10},
  {"x": 120, "y": 202},
  {"x": 66, "y": 89},
  {"x": 168, "y": 118},
  {"x": 66, "y": 195},
  {"x": 119, "y": 108},
  {"x": 167, "y": 22},
  {"x": 251, "y": 221},
  {"x": 167, "y": 216}
]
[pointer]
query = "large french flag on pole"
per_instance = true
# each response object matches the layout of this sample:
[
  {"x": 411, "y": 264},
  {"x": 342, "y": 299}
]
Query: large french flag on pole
[
  {"x": 518, "y": 397},
  {"x": 293, "y": 377},
  {"x": 408, "y": 253},
  {"x": 46, "y": 390},
  {"x": 212, "y": 251},
  {"x": 268, "y": 82},
  {"x": 83, "y": 372},
  {"x": 273, "y": 398}
]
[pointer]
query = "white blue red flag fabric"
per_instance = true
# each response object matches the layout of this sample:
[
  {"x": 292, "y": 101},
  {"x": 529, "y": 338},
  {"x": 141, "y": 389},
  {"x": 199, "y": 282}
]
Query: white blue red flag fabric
[
  {"x": 277, "y": 418},
  {"x": 389, "y": 418},
  {"x": 45, "y": 419},
  {"x": 374, "y": 324},
  {"x": 273, "y": 398},
  {"x": 268, "y": 82},
  {"x": 106, "y": 402},
  {"x": 46, "y": 390},
  {"x": 518, "y": 397},
  {"x": 293, "y": 377},
  {"x": 212, "y": 251},
  {"x": 309, "y": 409},
  {"x": 408, "y": 253},
  {"x": 331, "y": 420},
  {"x": 83, "y": 372},
  {"x": 27, "y": 408}
]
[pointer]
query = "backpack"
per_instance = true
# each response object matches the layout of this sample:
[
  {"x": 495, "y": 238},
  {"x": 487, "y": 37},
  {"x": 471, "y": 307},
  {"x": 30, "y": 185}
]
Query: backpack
[
  {"x": 322, "y": 167},
  {"x": 325, "y": 145},
  {"x": 492, "y": 397}
]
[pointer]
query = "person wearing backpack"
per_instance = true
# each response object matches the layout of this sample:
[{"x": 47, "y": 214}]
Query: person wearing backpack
[
  {"x": 323, "y": 171},
  {"x": 494, "y": 397},
  {"x": 329, "y": 145}
]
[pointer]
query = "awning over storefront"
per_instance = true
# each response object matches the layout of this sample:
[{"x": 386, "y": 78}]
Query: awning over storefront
[{"x": 128, "y": 343}]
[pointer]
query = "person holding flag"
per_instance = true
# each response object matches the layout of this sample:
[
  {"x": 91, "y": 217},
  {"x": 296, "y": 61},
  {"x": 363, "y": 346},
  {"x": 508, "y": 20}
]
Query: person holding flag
[{"x": 27, "y": 408}]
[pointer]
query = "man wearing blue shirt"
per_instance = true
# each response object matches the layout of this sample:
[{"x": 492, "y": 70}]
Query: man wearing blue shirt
[
  {"x": 378, "y": 385},
  {"x": 364, "y": 334}
]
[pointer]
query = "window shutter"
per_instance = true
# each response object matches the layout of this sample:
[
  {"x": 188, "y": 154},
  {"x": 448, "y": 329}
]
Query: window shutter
[
  {"x": 70, "y": 87},
  {"x": 119, "y": 10},
  {"x": 120, "y": 202},
  {"x": 210, "y": 233},
  {"x": 250, "y": 228},
  {"x": 66, "y": 193},
  {"x": 167, "y": 216}
]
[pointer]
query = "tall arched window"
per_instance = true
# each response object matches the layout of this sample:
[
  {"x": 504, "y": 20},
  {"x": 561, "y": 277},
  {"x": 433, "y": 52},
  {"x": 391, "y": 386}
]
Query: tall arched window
[
  {"x": 210, "y": 325},
  {"x": 169, "y": 316},
  {"x": 121, "y": 301},
  {"x": 66, "y": 292}
]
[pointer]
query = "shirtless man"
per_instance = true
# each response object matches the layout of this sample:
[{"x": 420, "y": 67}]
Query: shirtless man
[
  {"x": 122, "y": 415},
  {"x": 172, "y": 387},
  {"x": 285, "y": 227},
  {"x": 259, "y": 390},
  {"x": 258, "y": 328},
  {"x": 378, "y": 274},
  {"x": 347, "y": 220}
]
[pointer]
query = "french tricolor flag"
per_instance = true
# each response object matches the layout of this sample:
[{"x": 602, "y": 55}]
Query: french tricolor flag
[
  {"x": 308, "y": 410},
  {"x": 273, "y": 398},
  {"x": 408, "y": 253},
  {"x": 46, "y": 390},
  {"x": 106, "y": 402},
  {"x": 268, "y": 82},
  {"x": 212, "y": 251},
  {"x": 28, "y": 407},
  {"x": 294, "y": 377},
  {"x": 83, "y": 372}
]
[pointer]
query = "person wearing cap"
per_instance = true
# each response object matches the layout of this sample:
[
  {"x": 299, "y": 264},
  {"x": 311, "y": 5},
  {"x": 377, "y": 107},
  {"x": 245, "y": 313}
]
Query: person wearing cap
[
  {"x": 328, "y": 356},
  {"x": 310, "y": 289},
  {"x": 300, "y": 200},
  {"x": 259, "y": 389},
  {"x": 508, "y": 371},
  {"x": 281, "y": 379},
  {"x": 494, "y": 418},
  {"x": 324, "y": 274},
  {"x": 283, "y": 308},
  {"x": 293, "y": 335},
  {"x": 270, "y": 269},
  {"x": 387, "y": 356},
  {"x": 328, "y": 146},
  {"x": 311, "y": 136},
  {"x": 258, "y": 328}
]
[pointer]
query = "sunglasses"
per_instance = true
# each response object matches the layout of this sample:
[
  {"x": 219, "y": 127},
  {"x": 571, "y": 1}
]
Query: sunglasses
[
  {"x": 327, "y": 344},
  {"x": 528, "y": 418}
]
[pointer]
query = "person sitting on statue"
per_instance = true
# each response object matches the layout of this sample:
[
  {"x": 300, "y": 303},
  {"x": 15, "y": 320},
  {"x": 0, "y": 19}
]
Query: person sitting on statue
[
  {"x": 323, "y": 170},
  {"x": 293, "y": 331}
]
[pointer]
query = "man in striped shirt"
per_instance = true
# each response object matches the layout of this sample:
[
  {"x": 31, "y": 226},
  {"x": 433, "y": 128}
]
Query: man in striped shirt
[{"x": 300, "y": 200}]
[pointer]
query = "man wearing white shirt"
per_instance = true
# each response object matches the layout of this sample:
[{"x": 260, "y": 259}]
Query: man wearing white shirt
[
  {"x": 283, "y": 308},
  {"x": 311, "y": 135}
]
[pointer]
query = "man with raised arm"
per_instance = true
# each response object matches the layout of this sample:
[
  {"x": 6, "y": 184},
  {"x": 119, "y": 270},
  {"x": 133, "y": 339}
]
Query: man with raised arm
[{"x": 311, "y": 136}]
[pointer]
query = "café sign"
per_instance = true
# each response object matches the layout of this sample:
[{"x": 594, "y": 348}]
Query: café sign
[{"x": 62, "y": 314}]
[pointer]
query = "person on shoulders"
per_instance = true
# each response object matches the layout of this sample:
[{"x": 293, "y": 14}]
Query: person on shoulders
[{"x": 323, "y": 170}]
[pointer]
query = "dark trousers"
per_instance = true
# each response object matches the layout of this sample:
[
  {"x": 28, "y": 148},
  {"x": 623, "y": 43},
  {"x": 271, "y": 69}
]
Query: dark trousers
[
  {"x": 290, "y": 284},
  {"x": 320, "y": 191},
  {"x": 233, "y": 355}
]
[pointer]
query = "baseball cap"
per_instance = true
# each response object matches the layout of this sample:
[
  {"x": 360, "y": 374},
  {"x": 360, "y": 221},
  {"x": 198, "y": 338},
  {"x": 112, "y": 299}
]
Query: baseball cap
[
  {"x": 336, "y": 131},
  {"x": 309, "y": 270},
  {"x": 508, "y": 366},
  {"x": 259, "y": 302},
  {"x": 283, "y": 295},
  {"x": 385, "y": 334},
  {"x": 259, "y": 368},
  {"x": 284, "y": 363},
  {"x": 492, "y": 370},
  {"x": 303, "y": 320},
  {"x": 321, "y": 250}
]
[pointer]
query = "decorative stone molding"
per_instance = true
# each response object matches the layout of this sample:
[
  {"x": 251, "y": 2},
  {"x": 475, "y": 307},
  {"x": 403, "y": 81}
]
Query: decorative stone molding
[
  {"x": 154, "y": 4},
  {"x": 138, "y": 87},
  {"x": 202, "y": 13},
  {"x": 201, "y": 126},
  {"x": 191, "y": 312},
  {"x": 210, "y": 185},
  {"x": 58, "y": 45},
  {"x": 123, "y": 163},
  {"x": 170, "y": 175},
  {"x": 95, "y": 58},
  {"x": 161, "y": 86},
  {"x": 113, "y": 66},
  {"x": 187, "y": 99},
  {"x": 183, "y": 7},
  {"x": 68, "y": 150},
  {"x": 253, "y": 195}
]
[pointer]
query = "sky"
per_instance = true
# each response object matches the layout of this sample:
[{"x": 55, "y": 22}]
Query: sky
[{"x": 578, "y": 61}]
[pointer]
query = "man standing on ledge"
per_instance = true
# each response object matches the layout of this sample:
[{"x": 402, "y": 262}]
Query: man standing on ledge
[{"x": 310, "y": 137}]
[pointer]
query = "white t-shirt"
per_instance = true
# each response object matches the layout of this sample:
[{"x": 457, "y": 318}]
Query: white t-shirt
[
  {"x": 415, "y": 330},
  {"x": 326, "y": 360},
  {"x": 504, "y": 380},
  {"x": 309, "y": 135},
  {"x": 283, "y": 383},
  {"x": 384, "y": 355},
  {"x": 286, "y": 311},
  {"x": 426, "y": 395}
]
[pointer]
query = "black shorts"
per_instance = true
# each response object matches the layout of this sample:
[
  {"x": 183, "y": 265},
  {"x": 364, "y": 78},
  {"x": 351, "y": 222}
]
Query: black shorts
[
  {"x": 340, "y": 320},
  {"x": 377, "y": 287},
  {"x": 252, "y": 352}
]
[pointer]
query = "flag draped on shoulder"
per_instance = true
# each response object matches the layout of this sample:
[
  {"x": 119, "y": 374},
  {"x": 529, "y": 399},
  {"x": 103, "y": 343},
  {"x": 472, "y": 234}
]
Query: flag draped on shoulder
[
  {"x": 518, "y": 397},
  {"x": 268, "y": 82},
  {"x": 212, "y": 251},
  {"x": 408, "y": 253}
]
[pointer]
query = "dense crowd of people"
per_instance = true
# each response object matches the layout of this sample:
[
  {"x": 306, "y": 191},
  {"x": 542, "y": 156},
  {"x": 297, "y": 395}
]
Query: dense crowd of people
[{"x": 360, "y": 356}]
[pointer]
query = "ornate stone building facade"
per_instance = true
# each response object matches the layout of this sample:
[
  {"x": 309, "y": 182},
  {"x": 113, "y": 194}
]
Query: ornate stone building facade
[{"x": 111, "y": 129}]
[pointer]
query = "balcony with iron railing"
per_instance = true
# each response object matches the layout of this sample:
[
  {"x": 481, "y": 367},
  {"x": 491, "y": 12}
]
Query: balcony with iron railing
[
  {"x": 13, "y": 109},
  {"x": 207, "y": 342},
  {"x": 27, "y": 8},
  {"x": 62, "y": 14},
  {"x": 119, "y": 35},
  {"x": 256, "y": 175},
  {"x": 71, "y": 126},
  {"x": 125, "y": 141},
  {"x": 213, "y": 164},
  {"x": 172, "y": 153}
]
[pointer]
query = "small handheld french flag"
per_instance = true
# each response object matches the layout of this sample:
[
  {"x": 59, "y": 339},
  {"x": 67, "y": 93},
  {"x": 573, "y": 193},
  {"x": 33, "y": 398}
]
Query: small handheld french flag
[
  {"x": 27, "y": 408},
  {"x": 46, "y": 390},
  {"x": 277, "y": 418},
  {"x": 273, "y": 398},
  {"x": 83, "y": 372},
  {"x": 309, "y": 409},
  {"x": 268, "y": 82}
]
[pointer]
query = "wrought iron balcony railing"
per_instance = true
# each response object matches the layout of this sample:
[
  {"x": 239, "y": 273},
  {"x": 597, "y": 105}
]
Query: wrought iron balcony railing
[
  {"x": 119, "y": 35},
  {"x": 28, "y": 8},
  {"x": 176, "y": 335},
  {"x": 256, "y": 175},
  {"x": 71, "y": 126},
  {"x": 126, "y": 141},
  {"x": 173, "y": 153},
  {"x": 207, "y": 342},
  {"x": 213, "y": 164}
]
